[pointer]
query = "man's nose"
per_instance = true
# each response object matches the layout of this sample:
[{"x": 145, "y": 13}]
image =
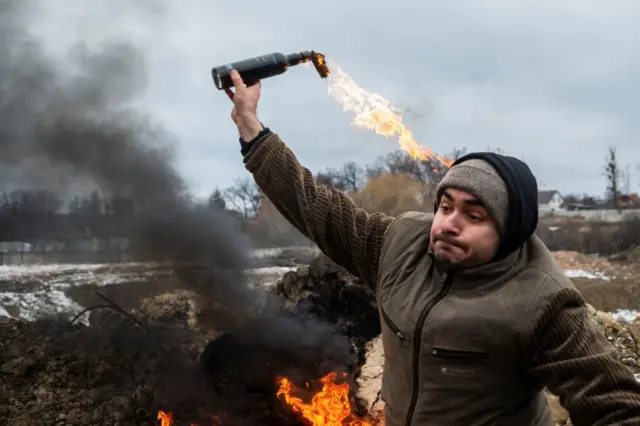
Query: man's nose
[{"x": 451, "y": 224}]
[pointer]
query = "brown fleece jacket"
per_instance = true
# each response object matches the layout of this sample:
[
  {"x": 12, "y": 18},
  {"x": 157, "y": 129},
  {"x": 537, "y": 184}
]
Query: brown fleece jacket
[{"x": 565, "y": 353}]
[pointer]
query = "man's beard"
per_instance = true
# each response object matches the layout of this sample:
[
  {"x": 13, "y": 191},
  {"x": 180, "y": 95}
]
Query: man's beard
[
  {"x": 443, "y": 260},
  {"x": 446, "y": 263}
]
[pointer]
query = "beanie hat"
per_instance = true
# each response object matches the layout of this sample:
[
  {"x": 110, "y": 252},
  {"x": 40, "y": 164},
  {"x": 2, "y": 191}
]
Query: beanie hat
[
  {"x": 520, "y": 218},
  {"x": 480, "y": 179}
]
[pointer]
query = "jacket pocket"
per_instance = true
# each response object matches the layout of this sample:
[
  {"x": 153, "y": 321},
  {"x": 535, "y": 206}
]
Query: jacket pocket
[
  {"x": 396, "y": 330},
  {"x": 459, "y": 354}
]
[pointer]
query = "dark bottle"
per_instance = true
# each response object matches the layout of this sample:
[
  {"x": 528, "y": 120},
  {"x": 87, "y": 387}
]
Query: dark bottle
[{"x": 265, "y": 66}]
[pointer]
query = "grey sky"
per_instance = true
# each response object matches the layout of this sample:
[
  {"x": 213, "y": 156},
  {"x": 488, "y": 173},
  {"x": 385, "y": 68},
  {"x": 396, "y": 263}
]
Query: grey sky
[{"x": 554, "y": 82}]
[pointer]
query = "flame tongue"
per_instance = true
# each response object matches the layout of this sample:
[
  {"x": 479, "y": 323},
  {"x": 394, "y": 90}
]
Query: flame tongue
[
  {"x": 373, "y": 112},
  {"x": 329, "y": 407},
  {"x": 166, "y": 419}
]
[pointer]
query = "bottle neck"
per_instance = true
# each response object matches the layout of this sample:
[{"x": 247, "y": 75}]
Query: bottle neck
[{"x": 299, "y": 57}]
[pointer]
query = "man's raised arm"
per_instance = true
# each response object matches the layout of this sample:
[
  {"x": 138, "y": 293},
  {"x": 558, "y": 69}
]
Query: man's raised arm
[{"x": 348, "y": 235}]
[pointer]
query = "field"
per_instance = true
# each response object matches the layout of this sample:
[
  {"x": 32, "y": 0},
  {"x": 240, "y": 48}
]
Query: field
[
  {"x": 606, "y": 284},
  {"x": 29, "y": 292},
  {"x": 136, "y": 376},
  {"x": 34, "y": 291}
]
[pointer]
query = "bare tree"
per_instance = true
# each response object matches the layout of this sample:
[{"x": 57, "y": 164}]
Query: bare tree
[
  {"x": 39, "y": 202},
  {"x": 352, "y": 176},
  {"x": 91, "y": 205},
  {"x": 330, "y": 177},
  {"x": 244, "y": 196},
  {"x": 612, "y": 173},
  {"x": 580, "y": 200},
  {"x": 216, "y": 200},
  {"x": 396, "y": 162},
  {"x": 430, "y": 170},
  {"x": 496, "y": 150},
  {"x": 433, "y": 170},
  {"x": 349, "y": 178},
  {"x": 625, "y": 176}
]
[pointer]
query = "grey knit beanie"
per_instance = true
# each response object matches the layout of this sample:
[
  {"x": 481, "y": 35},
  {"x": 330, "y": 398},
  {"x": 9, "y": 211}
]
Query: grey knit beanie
[{"x": 479, "y": 178}]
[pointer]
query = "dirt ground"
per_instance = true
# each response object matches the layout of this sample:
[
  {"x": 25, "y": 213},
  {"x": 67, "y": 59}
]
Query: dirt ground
[
  {"x": 611, "y": 284},
  {"x": 115, "y": 372},
  {"x": 127, "y": 296},
  {"x": 63, "y": 374}
]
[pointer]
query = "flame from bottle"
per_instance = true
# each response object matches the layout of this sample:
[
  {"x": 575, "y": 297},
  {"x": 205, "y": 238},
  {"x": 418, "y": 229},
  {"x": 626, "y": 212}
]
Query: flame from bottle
[{"x": 373, "y": 112}]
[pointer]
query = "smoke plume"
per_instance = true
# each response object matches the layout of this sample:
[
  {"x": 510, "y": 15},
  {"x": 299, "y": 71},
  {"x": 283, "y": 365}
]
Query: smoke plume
[{"x": 72, "y": 124}]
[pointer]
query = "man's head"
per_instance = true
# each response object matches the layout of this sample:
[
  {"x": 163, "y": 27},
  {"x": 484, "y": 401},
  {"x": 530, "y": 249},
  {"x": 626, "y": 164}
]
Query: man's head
[{"x": 486, "y": 207}]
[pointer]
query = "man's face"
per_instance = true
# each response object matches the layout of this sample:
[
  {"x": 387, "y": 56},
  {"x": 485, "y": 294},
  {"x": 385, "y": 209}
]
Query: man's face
[{"x": 463, "y": 235}]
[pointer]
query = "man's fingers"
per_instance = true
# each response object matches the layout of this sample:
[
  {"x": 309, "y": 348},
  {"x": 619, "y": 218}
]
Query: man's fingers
[
  {"x": 236, "y": 79},
  {"x": 229, "y": 93}
]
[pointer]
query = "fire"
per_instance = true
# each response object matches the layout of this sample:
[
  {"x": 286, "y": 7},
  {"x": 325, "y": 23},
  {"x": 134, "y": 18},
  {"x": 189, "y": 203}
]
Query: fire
[
  {"x": 329, "y": 407},
  {"x": 166, "y": 419},
  {"x": 373, "y": 112}
]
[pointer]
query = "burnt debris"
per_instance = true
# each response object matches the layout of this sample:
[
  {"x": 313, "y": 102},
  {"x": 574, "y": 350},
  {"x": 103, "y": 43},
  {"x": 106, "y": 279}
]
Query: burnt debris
[{"x": 114, "y": 372}]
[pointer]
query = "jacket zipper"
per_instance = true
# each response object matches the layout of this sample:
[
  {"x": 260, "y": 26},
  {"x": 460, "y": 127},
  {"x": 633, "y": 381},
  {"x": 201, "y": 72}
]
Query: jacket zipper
[
  {"x": 445, "y": 279},
  {"x": 391, "y": 325},
  {"x": 457, "y": 354}
]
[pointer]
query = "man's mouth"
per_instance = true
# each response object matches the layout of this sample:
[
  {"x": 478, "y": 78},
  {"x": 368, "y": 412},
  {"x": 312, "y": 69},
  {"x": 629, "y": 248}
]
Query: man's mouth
[
  {"x": 446, "y": 246},
  {"x": 450, "y": 243}
]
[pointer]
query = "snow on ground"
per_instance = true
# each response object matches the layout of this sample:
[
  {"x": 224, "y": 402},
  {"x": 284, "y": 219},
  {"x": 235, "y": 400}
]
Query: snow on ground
[
  {"x": 268, "y": 252},
  {"x": 30, "y": 306},
  {"x": 271, "y": 270},
  {"x": 78, "y": 272},
  {"x": 31, "y": 291},
  {"x": 627, "y": 315},
  {"x": 581, "y": 273},
  {"x": 10, "y": 271}
]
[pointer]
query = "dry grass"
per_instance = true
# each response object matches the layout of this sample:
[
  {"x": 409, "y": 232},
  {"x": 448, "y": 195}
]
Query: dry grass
[
  {"x": 575, "y": 234},
  {"x": 620, "y": 291}
]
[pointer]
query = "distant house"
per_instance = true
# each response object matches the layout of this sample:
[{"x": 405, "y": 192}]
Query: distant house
[
  {"x": 549, "y": 202},
  {"x": 628, "y": 201}
]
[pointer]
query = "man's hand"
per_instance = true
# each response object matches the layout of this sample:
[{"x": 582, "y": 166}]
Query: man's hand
[{"x": 245, "y": 106}]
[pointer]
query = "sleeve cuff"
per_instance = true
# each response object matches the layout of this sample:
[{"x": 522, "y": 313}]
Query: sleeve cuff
[{"x": 245, "y": 146}]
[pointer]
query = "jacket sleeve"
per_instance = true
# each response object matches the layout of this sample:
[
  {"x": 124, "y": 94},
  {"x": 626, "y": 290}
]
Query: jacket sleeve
[
  {"x": 348, "y": 235},
  {"x": 579, "y": 365}
]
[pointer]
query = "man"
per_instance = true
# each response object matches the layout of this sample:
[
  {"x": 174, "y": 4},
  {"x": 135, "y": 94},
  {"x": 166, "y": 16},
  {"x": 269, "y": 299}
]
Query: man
[{"x": 477, "y": 316}]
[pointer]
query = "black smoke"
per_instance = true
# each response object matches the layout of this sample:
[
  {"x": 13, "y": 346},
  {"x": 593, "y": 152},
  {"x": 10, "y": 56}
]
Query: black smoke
[{"x": 71, "y": 122}]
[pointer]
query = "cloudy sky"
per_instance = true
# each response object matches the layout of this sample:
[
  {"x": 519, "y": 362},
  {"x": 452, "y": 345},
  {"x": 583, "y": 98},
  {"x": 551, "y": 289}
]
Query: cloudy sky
[{"x": 554, "y": 82}]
